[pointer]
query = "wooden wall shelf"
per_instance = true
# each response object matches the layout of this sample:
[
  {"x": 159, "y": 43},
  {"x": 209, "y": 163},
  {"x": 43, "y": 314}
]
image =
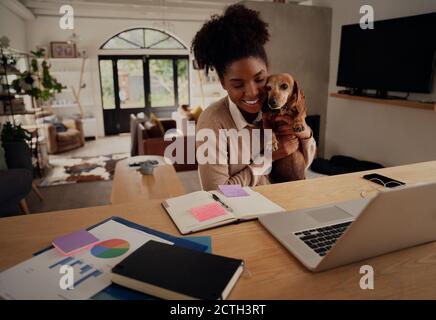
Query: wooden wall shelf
[{"x": 392, "y": 102}]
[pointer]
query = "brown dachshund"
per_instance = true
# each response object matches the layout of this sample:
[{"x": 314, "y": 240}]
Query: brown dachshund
[{"x": 284, "y": 112}]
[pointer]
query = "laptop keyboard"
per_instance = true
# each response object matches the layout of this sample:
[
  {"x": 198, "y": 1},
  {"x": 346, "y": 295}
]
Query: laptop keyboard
[{"x": 322, "y": 239}]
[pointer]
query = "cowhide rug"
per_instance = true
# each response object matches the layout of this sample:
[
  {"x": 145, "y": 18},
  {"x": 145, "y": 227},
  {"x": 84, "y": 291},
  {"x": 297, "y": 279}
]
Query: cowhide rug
[{"x": 85, "y": 169}]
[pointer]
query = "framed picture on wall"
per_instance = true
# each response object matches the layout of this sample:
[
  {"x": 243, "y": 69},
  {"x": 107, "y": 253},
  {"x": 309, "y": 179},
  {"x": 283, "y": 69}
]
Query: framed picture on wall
[{"x": 63, "y": 50}]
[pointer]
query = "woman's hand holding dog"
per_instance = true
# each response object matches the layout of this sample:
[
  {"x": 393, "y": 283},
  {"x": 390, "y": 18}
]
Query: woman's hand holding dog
[
  {"x": 305, "y": 134},
  {"x": 287, "y": 144}
]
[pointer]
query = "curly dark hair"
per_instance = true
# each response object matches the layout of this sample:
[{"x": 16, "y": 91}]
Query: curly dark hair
[{"x": 239, "y": 33}]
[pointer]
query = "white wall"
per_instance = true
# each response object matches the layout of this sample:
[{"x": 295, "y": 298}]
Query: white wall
[
  {"x": 93, "y": 32},
  {"x": 387, "y": 134},
  {"x": 300, "y": 45},
  {"x": 13, "y": 27}
]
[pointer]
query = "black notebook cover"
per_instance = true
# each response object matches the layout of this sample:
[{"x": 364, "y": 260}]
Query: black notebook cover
[{"x": 192, "y": 273}]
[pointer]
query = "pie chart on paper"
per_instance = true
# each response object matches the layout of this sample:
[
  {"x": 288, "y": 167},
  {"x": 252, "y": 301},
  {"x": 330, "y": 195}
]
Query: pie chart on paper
[{"x": 110, "y": 248}]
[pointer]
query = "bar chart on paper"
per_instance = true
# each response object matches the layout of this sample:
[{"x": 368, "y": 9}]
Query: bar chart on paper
[
  {"x": 104, "y": 250},
  {"x": 83, "y": 269},
  {"x": 44, "y": 275}
]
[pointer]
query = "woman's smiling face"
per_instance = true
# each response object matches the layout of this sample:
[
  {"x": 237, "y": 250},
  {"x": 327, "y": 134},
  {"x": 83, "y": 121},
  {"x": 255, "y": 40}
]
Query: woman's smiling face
[{"x": 244, "y": 80}]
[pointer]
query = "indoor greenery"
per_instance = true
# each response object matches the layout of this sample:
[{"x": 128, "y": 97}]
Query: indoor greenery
[
  {"x": 11, "y": 133},
  {"x": 37, "y": 82}
]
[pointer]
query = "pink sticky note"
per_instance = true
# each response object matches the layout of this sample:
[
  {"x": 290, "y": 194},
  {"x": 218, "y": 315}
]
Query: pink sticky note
[
  {"x": 233, "y": 190},
  {"x": 75, "y": 242},
  {"x": 208, "y": 211}
]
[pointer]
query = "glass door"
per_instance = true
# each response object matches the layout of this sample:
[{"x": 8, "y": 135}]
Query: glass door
[
  {"x": 133, "y": 84},
  {"x": 123, "y": 91},
  {"x": 169, "y": 83}
]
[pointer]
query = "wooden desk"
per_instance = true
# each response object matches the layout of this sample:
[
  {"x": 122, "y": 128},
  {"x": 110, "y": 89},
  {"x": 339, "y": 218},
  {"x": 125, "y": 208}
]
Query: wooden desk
[
  {"x": 275, "y": 273},
  {"x": 130, "y": 185}
]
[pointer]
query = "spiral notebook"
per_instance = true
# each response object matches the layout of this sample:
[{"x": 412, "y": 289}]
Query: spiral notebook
[{"x": 199, "y": 210}]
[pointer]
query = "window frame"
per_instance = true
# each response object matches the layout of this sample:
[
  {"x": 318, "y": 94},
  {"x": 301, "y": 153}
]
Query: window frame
[
  {"x": 144, "y": 30},
  {"x": 159, "y": 111}
]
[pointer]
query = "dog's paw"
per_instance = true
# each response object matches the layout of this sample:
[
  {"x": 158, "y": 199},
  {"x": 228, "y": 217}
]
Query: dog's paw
[
  {"x": 275, "y": 145},
  {"x": 298, "y": 128}
]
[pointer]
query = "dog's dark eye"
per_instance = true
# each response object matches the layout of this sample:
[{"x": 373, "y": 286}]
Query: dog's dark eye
[
  {"x": 268, "y": 88},
  {"x": 284, "y": 86}
]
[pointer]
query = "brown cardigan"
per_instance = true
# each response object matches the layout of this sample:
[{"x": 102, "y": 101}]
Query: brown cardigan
[{"x": 218, "y": 116}]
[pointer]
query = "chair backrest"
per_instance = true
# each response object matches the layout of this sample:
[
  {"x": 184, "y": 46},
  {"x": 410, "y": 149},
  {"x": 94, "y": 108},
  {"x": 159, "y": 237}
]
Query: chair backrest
[
  {"x": 133, "y": 136},
  {"x": 134, "y": 122},
  {"x": 18, "y": 156}
]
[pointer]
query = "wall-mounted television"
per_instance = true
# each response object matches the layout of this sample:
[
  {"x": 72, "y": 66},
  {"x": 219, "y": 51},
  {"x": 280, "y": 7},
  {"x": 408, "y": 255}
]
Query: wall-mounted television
[{"x": 397, "y": 55}]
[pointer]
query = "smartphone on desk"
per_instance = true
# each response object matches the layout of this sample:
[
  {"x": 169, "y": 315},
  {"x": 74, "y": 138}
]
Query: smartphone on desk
[{"x": 383, "y": 180}]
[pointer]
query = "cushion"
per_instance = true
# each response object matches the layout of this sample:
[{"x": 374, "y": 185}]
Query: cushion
[
  {"x": 3, "y": 165},
  {"x": 340, "y": 164},
  {"x": 141, "y": 117},
  {"x": 69, "y": 135},
  {"x": 155, "y": 121},
  {"x": 59, "y": 126},
  {"x": 185, "y": 112},
  {"x": 50, "y": 119},
  {"x": 196, "y": 112},
  {"x": 154, "y": 132},
  {"x": 354, "y": 165},
  {"x": 324, "y": 166},
  {"x": 148, "y": 124}
]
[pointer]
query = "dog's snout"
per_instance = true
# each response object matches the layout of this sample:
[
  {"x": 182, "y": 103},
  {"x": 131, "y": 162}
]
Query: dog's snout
[{"x": 272, "y": 102}]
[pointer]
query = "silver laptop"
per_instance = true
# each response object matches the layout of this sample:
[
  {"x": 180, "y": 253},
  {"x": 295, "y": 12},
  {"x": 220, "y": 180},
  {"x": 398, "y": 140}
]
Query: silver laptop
[{"x": 331, "y": 236}]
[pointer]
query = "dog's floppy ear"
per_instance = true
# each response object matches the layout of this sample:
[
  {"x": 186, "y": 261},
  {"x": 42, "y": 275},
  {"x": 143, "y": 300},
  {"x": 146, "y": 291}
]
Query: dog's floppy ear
[
  {"x": 297, "y": 95},
  {"x": 265, "y": 107}
]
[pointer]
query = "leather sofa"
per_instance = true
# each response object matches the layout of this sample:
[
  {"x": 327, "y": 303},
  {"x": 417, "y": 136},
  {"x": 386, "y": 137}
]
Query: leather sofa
[{"x": 152, "y": 143}]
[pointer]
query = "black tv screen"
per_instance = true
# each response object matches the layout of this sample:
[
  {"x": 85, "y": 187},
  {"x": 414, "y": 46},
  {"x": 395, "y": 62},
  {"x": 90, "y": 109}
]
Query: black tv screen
[{"x": 397, "y": 55}]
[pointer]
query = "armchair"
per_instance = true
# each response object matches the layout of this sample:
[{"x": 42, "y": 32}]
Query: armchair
[{"x": 72, "y": 138}]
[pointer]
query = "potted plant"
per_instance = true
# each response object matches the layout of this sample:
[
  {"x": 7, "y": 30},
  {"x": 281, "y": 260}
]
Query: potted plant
[
  {"x": 14, "y": 141},
  {"x": 38, "y": 82}
]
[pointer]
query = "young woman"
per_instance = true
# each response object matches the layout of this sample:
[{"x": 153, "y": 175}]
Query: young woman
[{"x": 233, "y": 45}]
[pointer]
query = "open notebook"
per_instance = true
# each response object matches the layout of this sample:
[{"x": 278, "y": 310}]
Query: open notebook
[{"x": 242, "y": 208}]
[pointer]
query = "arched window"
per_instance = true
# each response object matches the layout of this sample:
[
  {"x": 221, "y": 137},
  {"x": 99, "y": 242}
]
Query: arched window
[{"x": 143, "y": 38}]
